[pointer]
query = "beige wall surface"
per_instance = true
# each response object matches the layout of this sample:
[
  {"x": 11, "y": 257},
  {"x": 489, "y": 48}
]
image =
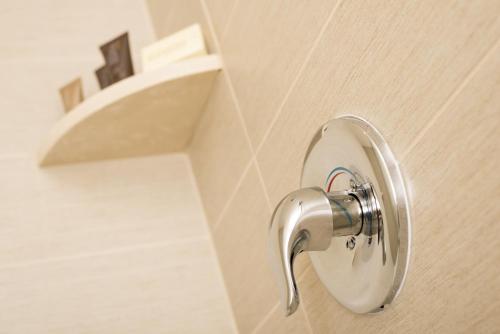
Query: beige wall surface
[
  {"x": 426, "y": 74},
  {"x": 107, "y": 247}
]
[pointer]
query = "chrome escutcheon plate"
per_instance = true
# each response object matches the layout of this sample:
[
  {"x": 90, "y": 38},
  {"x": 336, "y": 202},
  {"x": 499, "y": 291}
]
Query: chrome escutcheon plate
[{"x": 365, "y": 272}]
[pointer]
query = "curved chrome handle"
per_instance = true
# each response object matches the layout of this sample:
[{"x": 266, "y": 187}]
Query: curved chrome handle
[
  {"x": 301, "y": 222},
  {"x": 306, "y": 220}
]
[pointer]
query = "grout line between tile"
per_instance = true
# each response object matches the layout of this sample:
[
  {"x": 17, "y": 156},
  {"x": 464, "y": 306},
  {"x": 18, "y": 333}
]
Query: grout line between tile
[
  {"x": 247, "y": 136},
  {"x": 212, "y": 244},
  {"x": 307, "y": 319},
  {"x": 245, "y": 130},
  {"x": 146, "y": 13},
  {"x": 229, "y": 19},
  {"x": 237, "y": 105},
  {"x": 265, "y": 319},
  {"x": 208, "y": 17},
  {"x": 233, "y": 194},
  {"x": 268, "y": 315},
  {"x": 210, "y": 24},
  {"x": 263, "y": 184},
  {"x": 238, "y": 110},
  {"x": 306, "y": 270},
  {"x": 449, "y": 100},
  {"x": 287, "y": 95},
  {"x": 297, "y": 77},
  {"x": 235, "y": 191},
  {"x": 104, "y": 252}
]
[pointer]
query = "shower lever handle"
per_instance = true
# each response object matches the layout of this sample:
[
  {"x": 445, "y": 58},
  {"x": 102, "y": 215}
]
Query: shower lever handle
[{"x": 306, "y": 220}]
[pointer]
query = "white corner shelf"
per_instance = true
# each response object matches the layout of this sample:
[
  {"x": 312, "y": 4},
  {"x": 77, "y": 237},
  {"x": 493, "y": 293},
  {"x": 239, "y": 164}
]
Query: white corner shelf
[{"x": 149, "y": 113}]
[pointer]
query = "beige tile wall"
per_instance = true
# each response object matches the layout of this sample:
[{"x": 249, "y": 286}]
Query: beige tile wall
[
  {"x": 108, "y": 247},
  {"x": 170, "y": 17},
  {"x": 427, "y": 74}
]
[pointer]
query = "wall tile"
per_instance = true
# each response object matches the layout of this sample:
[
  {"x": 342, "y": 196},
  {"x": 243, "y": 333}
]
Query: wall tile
[
  {"x": 453, "y": 280},
  {"x": 277, "y": 323},
  {"x": 123, "y": 292},
  {"x": 265, "y": 45},
  {"x": 395, "y": 64},
  {"x": 220, "y": 12},
  {"x": 242, "y": 235},
  {"x": 456, "y": 188},
  {"x": 109, "y": 247},
  {"x": 219, "y": 151},
  {"x": 88, "y": 208},
  {"x": 327, "y": 316},
  {"x": 171, "y": 16},
  {"x": 37, "y": 58},
  {"x": 56, "y": 20},
  {"x": 37, "y": 85}
]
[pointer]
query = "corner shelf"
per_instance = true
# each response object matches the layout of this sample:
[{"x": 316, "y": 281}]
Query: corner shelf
[{"x": 149, "y": 113}]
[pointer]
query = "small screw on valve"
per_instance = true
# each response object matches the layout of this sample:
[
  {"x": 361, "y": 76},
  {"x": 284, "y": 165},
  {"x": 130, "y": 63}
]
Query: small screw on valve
[{"x": 350, "y": 243}]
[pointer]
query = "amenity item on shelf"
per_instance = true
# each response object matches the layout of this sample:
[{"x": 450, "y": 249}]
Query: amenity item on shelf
[
  {"x": 186, "y": 43},
  {"x": 154, "y": 112},
  {"x": 118, "y": 61},
  {"x": 104, "y": 76},
  {"x": 72, "y": 94}
]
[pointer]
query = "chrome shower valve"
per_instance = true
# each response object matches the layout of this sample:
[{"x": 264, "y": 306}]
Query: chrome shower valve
[{"x": 356, "y": 231}]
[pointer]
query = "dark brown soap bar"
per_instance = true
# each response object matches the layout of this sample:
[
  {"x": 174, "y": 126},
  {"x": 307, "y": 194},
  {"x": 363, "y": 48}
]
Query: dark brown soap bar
[
  {"x": 104, "y": 76},
  {"x": 118, "y": 61},
  {"x": 117, "y": 57}
]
